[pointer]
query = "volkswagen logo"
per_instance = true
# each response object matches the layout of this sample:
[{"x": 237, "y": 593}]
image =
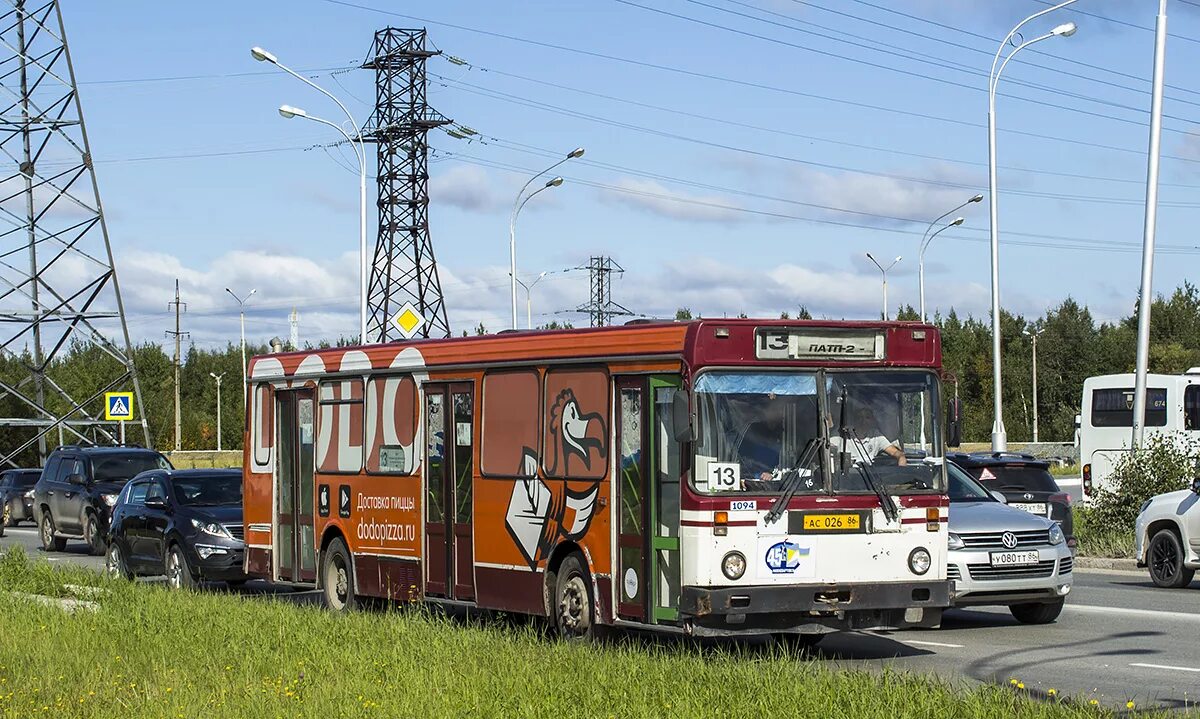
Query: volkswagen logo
[
  {"x": 1028, "y": 495},
  {"x": 1009, "y": 540}
]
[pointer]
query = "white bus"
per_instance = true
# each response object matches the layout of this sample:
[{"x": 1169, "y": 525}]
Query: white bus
[{"x": 1106, "y": 418}]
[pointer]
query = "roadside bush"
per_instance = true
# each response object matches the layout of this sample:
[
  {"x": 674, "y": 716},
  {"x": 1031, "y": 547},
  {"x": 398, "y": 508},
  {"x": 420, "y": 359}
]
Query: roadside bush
[
  {"x": 1097, "y": 539},
  {"x": 1163, "y": 464}
]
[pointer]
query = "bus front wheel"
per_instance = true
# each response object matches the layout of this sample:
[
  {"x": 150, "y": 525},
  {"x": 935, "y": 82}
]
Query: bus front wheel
[
  {"x": 337, "y": 578},
  {"x": 573, "y": 605}
]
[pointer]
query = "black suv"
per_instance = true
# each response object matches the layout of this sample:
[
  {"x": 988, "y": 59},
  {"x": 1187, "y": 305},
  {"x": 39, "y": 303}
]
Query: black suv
[
  {"x": 74, "y": 497},
  {"x": 16, "y": 496},
  {"x": 1024, "y": 480},
  {"x": 185, "y": 523}
]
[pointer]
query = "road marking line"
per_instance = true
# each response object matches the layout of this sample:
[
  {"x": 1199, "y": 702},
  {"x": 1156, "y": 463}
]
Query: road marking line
[
  {"x": 1164, "y": 666},
  {"x": 1155, "y": 613},
  {"x": 934, "y": 644}
]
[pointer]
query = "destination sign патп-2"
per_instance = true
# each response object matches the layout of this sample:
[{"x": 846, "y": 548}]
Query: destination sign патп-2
[{"x": 817, "y": 344}]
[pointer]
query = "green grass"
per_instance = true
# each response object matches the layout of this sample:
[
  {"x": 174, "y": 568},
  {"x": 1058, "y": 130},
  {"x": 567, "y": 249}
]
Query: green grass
[
  {"x": 149, "y": 653},
  {"x": 1071, "y": 471},
  {"x": 1095, "y": 539}
]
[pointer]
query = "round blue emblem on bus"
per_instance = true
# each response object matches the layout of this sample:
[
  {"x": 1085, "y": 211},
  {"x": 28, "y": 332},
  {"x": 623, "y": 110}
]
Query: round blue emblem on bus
[{"x": 784, "y": 557}]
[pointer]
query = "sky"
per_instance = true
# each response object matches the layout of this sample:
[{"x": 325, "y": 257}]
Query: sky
[{"x": 742, "y": 156}]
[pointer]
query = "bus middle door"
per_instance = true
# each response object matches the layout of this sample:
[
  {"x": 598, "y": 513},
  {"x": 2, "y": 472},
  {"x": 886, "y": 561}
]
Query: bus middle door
[{"x": 449, "y": 444}]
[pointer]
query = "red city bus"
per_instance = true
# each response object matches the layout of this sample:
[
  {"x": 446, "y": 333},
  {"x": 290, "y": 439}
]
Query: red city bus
[{"x": 714, "y": 476}]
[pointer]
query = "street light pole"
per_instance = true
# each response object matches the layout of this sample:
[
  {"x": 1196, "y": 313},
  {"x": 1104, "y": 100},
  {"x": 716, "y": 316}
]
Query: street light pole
[
  {"x": 926, "y": 239},
  {"x": 242, "y": 314},
  {"x": 884, "y": 272},
  {"x": 925, "y": 245},
  {"x": 218, "y": 378},
  {"x": 518, "y": 203},
  {"x": 360, "y": 151},
  {"x": 1033, "y": 337},
  {"x": 528, "y": 299},
  {"x": 1147, "y": 291},
  {"x": 999, "y": 435}
]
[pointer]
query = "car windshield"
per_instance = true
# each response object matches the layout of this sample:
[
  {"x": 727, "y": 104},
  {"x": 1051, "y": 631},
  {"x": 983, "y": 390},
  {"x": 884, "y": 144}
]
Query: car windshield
[
  {"x": 963, "y": 488},
  {"x": 1015, "y": 478},
  {"x": 208, "y": 490},
  {"x": 121, "y": 467},
  {"x": 756, "y": 429}
]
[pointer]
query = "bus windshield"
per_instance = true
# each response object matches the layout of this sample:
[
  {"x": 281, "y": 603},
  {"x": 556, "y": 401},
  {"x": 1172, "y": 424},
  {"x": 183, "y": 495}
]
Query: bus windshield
[{"x": 872, "y": 429}]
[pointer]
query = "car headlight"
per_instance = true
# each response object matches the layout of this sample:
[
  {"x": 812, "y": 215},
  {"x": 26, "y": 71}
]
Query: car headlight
[
  {"x": 733, "y": 566},
  {"x": 1056, "y": 535},
  {"x": 211, "y": 528},
  {"x": 109, "y": 499},
  {"x": 29, "y": 494},
  {"x": 919, "y": 560},
  {"x": 1144, "y": 505},
  {"x": 954, "y": 541}
]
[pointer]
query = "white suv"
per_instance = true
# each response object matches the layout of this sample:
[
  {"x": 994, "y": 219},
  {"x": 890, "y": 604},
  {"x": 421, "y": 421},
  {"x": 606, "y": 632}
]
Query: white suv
[{"x": 1168, "y": 536}]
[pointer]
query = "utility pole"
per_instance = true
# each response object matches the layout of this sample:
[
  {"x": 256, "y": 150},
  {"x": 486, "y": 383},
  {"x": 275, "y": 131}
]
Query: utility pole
[
  {"x": 218, "y": 378},
  {"x": 178, "y": 335},
  {"x": 1033, "y": 336}
]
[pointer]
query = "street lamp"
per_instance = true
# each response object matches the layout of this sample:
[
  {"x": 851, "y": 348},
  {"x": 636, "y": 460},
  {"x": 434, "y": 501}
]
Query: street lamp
[
  {"x": 518, "y": 203},
  {"x": 218, "y": 378},
  {"x": 529, "y": 302},
  {"x": 242, "y": 313},
  {"x": 884, "y": 272},
  {"x": 926, "y": 239},
  {"x": 360, "y": 152},
  {"x": 1033, "y": 336},
  {"x": 999, "y": 436}
]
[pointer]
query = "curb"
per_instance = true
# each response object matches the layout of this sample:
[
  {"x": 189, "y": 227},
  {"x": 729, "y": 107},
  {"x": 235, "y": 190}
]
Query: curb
[{"x": 1121, "y": 565}]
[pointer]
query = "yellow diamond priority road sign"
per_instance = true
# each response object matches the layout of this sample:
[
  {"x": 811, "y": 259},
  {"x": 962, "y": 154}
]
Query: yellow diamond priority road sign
[{"x": 408, "y": 321}]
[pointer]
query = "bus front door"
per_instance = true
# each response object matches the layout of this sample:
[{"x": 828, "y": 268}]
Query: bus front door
[
  {"x": 295, "y": 554},
  {"x": 449, "y": 443},
  {"x": 648, "y": 500}
]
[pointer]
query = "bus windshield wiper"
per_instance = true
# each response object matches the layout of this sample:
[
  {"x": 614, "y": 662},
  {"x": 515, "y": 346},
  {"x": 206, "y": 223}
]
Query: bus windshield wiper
[
  {"x": 890, "y": 511},
  {"x": 792, "y": 481}
]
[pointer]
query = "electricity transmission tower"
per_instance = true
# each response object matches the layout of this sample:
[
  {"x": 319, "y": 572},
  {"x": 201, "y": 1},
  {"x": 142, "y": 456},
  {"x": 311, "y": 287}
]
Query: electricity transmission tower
[
  {"x": 404, "y": 268},
  {"x": 58, "y": 283},
  {"x": 600, "y": 308}
]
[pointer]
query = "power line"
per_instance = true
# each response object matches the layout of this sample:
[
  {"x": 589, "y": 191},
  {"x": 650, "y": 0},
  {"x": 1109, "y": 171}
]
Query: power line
[
  {"x": 789, "y": 133},
  {"x": 494, "y": 94},
  {"x": 751, "y": 84}
]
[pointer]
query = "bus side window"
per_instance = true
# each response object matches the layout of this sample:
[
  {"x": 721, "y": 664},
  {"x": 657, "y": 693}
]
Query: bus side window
[
  {"x": 511, "y": 420},
  {"x": 1191, "y": 407},
  {"x": 391, "y": 425}
]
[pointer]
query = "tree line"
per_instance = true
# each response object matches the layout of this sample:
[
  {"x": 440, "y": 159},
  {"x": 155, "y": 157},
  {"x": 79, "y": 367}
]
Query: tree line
[{"x": 1072, "y": 345}]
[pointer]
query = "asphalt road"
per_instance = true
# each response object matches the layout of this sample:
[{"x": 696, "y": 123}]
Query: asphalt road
[{"x": 1119, "y": 639}]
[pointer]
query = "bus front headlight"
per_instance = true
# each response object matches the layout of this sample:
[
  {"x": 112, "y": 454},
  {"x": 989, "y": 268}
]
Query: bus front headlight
[
  {"x": 733, "y": 566},
  {"x": 919, "y": 560}
]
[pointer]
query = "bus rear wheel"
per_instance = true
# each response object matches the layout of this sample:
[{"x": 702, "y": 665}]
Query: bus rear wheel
[
  {"x": 337, "y": 578},
  {"x": 573, "y": 606}
]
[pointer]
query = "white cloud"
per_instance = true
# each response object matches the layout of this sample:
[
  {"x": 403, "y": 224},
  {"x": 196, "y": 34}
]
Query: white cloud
[
  {"x": 886, "y": 196},
  {"x": 470, "y": 188},
  {"x": 652, "y": 197}
]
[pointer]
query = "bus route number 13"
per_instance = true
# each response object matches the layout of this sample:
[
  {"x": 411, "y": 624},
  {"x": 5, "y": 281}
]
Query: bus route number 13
[{"x": 723, "y": 476}]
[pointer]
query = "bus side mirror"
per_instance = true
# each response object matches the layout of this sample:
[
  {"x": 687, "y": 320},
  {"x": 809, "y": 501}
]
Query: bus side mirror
[
  {"x": 954, "y": 424},
  {"x": 681, "y": 417}
]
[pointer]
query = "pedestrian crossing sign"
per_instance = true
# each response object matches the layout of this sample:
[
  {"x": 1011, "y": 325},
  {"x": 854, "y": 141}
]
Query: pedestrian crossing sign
[{"x": 118, "y": 406}]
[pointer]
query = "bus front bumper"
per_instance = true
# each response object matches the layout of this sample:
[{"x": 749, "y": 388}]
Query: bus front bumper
[{"x": 881, "y": 605}]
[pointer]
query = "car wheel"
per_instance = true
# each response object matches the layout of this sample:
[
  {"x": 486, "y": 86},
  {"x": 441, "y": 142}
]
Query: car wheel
[
  {"x": 115, "y": 565},
  {"x": 92, "y": 535},
  {"x": 1165, "y": 559},
  {"x": 50, "y": 543},
  {"x": 5, "y": 518},
  {"x": 337, "y": 578},
  {"x": 179, "y": 574},
  {"x": 1037, "y": 613},
  {"x": 573, "y": 615}
]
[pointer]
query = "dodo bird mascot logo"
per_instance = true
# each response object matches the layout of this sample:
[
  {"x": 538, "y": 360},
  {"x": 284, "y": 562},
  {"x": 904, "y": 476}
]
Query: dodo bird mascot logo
[{"x": 540, "y": 514}]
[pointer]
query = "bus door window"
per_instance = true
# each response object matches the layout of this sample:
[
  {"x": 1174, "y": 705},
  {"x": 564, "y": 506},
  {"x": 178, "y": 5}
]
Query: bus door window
[
  {"x": 666, "y": 480},
  {"x": 435, "y": 466},
  {"x": 631, "y": 532},
  {"x": 1191, "y": 407},
  {"x": 464, "y": 470}
]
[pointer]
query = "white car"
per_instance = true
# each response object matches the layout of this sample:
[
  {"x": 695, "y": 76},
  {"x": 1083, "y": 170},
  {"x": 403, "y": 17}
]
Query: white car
[{"x": 1168, "y": 536}]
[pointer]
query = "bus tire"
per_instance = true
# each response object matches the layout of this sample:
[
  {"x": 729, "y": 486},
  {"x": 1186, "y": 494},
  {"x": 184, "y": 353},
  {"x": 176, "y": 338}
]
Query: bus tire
[
  {"x": 1165, "y": 558},
  {"x": 337, "y": 578},
  {"x": 573, "y": 609}
]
